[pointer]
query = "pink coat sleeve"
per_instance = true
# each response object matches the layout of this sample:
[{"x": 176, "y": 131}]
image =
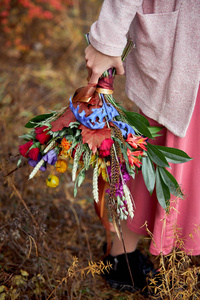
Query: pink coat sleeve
[{"x": 108, "y": 33}]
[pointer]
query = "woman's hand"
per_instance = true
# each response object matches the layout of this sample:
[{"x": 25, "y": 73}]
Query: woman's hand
[{"x": 97, "y": 63}]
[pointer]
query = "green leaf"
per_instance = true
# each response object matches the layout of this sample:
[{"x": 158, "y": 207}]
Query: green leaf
[
  {"x": 134, "y": 115},
  {"x": 156, "y": 155},
  {"x": 137, "y": 122},
  {"x": 162, "y": 191},
  {"x": 81, "y": 177},
  {"x": 35, "y": 145},
  {"x": 32, "y": 123},
  {"x": 148, "y": 173},
  {"x": 74, "y": 124},
  {"x": 27, "y": 136},
  {"x": 75, "y": 190},
  {"x": 19, "y": 161},
  {"x": 79, "y": 180},
  {"x": 154, "y": 129},
  {"x": 174, "y": 155},
  {"x": 171, "y": 182}
]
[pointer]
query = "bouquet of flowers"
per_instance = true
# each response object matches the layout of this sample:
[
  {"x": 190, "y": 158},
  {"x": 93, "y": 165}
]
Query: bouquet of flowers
[{"x": 94, "y": 130}]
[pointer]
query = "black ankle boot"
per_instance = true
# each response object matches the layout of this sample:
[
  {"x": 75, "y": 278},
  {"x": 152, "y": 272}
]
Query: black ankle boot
[{"x": 119, "y": 276}]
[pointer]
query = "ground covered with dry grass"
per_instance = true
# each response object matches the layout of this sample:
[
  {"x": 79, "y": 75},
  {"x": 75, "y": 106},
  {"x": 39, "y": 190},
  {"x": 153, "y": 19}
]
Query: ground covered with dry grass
[{"x": 50, "y": 242}]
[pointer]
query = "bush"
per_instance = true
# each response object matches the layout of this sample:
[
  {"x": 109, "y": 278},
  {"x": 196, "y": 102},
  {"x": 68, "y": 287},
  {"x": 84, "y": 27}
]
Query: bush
[{"x": 25, "y": 22}]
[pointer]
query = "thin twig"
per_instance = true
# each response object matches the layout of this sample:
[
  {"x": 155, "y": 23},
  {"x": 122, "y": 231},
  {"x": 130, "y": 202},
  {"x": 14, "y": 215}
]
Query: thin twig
[
  {"x": 23, "y": 202},
  {"x": 129, "y": 268}
]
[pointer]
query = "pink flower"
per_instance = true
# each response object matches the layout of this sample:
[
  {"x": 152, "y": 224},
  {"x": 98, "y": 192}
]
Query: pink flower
[
  {"x": 42, "y": 136},
  {"x": 104, "y": 149},
  {"x": 133, "y": 160},
  {"x": 136, "y": 141},
  {"x": 24, "y": 150}
]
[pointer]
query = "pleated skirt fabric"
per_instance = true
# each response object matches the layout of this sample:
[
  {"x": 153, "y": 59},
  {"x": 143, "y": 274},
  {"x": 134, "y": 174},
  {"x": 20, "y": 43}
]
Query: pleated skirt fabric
[{"x": 181, "y": 226}]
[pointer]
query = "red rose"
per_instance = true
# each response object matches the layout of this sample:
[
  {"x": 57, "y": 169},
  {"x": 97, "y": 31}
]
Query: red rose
[
  {"x": 104, "y": 149},
  {"x": 33, "y": 153},
  {"x": 42, "y": 136},
  {"x": 24, "y": 150}
]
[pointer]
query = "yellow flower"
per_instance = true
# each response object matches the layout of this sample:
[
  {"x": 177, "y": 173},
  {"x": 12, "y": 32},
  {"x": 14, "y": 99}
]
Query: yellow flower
[
  {"x": 102, "y": 168},
  {"x": 93, "y": 159},
  {"x": 61, "y": 165},
  {"x": 52, "y": 181},
  {"x": 104, "y": 175}
]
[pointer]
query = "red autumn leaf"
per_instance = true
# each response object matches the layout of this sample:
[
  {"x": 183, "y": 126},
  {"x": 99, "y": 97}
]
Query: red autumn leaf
[
  {"x": 94, "y": 137},
  {"x": 63, "y": 121}
]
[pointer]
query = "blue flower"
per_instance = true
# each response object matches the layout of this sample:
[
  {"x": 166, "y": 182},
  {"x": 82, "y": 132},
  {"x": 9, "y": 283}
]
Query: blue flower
[
  {"x": 50, "y": 157},
  {"x": 33, "y": 163}
]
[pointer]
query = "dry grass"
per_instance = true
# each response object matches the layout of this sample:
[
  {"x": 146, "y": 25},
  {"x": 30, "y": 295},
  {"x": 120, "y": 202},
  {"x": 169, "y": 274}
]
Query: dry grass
[{"x": 42, "y": 229}]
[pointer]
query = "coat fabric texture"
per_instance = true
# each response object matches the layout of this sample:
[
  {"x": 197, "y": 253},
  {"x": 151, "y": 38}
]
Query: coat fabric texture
[
  {"x": 162, "y": 78},
  {"x": 163, "y": 70}
]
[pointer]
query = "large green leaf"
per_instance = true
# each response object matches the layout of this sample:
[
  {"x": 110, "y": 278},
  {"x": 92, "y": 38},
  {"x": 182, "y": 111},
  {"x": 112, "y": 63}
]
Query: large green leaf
[
  {"x": 174, "y": 155},
  {"x": 171, "y": 182},
  {"x": 156, "y": 156},
  {"x": 154, "y": 131},
  {"x": 148, "y": 173},
  {"x": 162, "y": 191},
  {"x": 139, "y": 122},
  {"x": 134, "y": 115},
  {"x": 32, "y": 123}
]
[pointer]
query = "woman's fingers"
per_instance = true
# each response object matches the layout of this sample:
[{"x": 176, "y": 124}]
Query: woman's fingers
[{"x": 97, "y": 63}]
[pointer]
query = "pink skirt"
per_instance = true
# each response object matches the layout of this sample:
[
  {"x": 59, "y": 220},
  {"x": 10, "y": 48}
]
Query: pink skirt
[{"x": 181, "y": 227}]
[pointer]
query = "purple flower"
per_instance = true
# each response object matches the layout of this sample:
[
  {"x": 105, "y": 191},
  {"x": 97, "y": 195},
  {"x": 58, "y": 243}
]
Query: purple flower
[
  {"x": 50, "y": 157},
  {"x": 119, "y": 187},
  {"x": 33, "y": 163}
]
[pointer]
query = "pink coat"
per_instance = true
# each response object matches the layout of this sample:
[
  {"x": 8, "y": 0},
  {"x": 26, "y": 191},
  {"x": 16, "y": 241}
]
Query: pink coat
[{"x": 163, "y": 70}]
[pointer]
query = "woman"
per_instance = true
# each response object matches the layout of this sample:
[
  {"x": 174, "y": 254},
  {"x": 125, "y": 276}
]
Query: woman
[{"x": 162, "y": 78}]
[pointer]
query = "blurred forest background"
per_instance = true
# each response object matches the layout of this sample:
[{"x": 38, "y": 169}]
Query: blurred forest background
[{"x": 42, "y": 229}]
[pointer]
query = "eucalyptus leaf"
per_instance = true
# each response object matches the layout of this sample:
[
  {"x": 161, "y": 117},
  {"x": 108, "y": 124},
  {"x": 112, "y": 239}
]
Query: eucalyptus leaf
[
  {"x": 156, "y": 155},
  {"x": 81, "y": 177},
  {"x": 148, "y": 172},
  {"x": 79, "y": 180},
  {"x": 74, "y": 124},
  {"x": 162, "y": 191},
  {"x": 75, "y": 190},
  {"x": 174, "y": 155},
  {"x": 32, "y": 123},
  {"x": 19, "y": 161},
  {"x": 27, "y": 136}
]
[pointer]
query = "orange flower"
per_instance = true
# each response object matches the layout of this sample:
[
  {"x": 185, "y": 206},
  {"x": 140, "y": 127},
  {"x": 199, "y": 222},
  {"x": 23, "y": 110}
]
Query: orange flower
[
  {"x": 137, "y": 141},
  {"x": 133, "y": 160},
  {"x": 65, "y": 144}
]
